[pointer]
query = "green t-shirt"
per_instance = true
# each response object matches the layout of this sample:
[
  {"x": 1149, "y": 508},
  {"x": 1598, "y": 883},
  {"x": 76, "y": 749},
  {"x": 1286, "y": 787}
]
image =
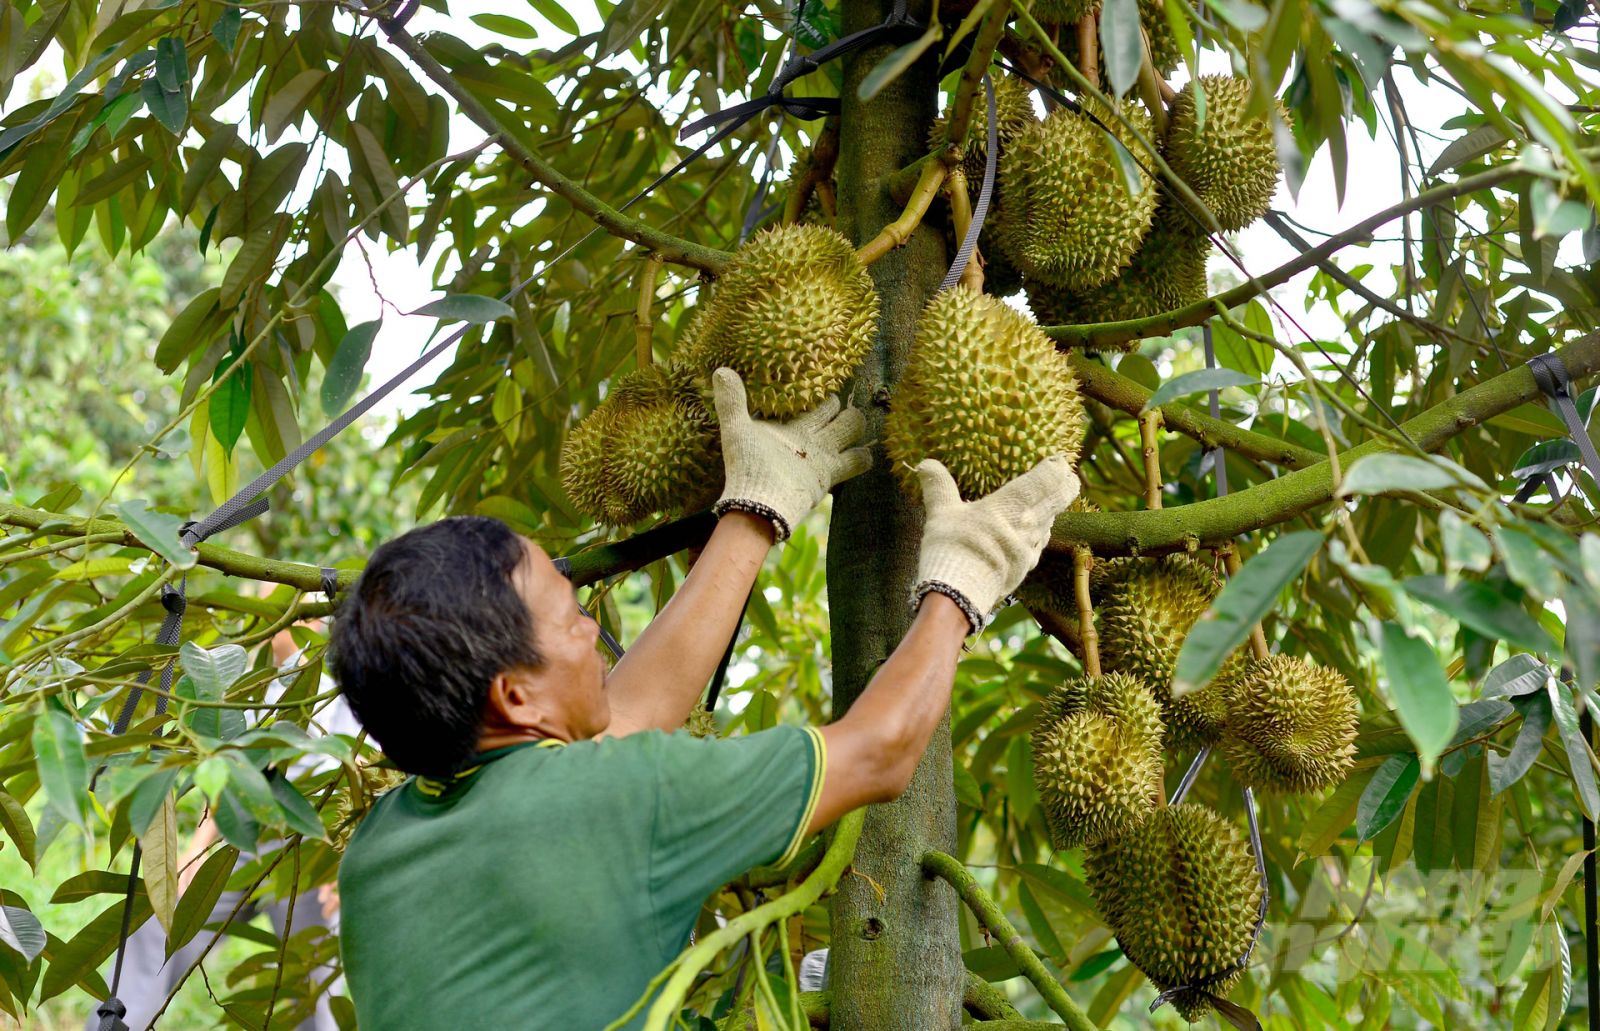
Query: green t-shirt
[{"x": 545, "y": 887}]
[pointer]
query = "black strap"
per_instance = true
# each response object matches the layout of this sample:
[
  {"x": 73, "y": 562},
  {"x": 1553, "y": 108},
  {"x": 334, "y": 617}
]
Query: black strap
[
  {"x": 727, "y": 657},
  {"x": 1550, "y": 372},
  {"x": 980, "y": 210}
]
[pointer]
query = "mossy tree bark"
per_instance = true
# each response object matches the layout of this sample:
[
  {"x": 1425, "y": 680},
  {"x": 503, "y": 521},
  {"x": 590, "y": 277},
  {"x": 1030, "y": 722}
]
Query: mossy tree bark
[{"x": 896, "y": 957}]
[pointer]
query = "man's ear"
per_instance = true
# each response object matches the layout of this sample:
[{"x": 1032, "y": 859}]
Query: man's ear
[{"x": 512, "y": 701}]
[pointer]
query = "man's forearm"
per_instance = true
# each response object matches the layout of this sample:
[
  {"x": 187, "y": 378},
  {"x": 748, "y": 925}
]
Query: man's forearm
[{"x": 663, "y": 674}]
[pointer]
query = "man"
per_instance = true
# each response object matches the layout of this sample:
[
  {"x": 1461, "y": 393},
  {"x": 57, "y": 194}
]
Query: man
[{"x": 553, "y": 850}]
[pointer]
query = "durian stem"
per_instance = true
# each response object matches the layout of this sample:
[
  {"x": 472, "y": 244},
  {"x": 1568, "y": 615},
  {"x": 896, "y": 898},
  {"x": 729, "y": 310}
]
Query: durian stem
[
  {"x": 1153, "y": 89},
  {"x": 1149, "y": 438},
  {"x": 491, "y": 120},
  {"x": 1082, "y": 563},
  {"x": 989, "y": 913},
  {"x": 1063, "y": 630},
  {"x": 955, "y": 192},
  {"x": 1258, "y": 636},
  {"x": 896, "y": 233},
  {"x": 1089, "y": 47},
  {"x": 642, "y": 351},
  {"x": 965, "y": 99}
]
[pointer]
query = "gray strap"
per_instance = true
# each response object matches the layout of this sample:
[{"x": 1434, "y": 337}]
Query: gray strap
[
  {"x": 980, "y": 210},
  {"x": 1550, "y": 372}
]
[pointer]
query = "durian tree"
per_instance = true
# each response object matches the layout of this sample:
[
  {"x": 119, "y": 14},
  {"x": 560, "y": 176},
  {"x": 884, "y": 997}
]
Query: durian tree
[{"x": 1358, "y": 579}]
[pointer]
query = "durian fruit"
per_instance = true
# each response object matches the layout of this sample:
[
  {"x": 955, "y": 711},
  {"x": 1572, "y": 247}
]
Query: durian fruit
[
  {"x": 1097, "y": 759},
  {"x": 1291, "y": 726},
  {"x": 1014, "y": 112},
  {"x": 1230, "y": 160},
  {"x": 702, "y": 722},
  {"x": 1068, "y": 218},
  {"x": 1164, "y": 52},
  {"x": 1143, "y": 611},
  {"x": 793, "y": 314},
  {"x": 1062, "y": 12},
  {"x": 1167, "y": 272},
  {"x": 651, "y": 446},
  {"x": 1182, "y": 893},
  {"x": 984, "y": 392}
]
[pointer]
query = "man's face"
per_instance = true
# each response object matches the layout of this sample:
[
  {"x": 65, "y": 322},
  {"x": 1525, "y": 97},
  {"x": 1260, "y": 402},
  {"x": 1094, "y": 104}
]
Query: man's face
[{"x": 565, "y": 638}]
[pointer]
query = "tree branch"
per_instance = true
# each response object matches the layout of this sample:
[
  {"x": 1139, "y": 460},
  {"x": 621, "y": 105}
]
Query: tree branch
[
  {"x": 989, "y": 913},
  {"x": 1120, "y": 392},
  {"x": 1276, "y": 501},
  {"x": 966, "y": 92},
  {"x": 1099, "y": 335},
  {"x": 488, "y": 118}
]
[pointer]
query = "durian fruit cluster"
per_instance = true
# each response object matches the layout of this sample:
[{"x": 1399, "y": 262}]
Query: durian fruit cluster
[
  {"x": 1077, "y": 220},
  {"x": 793, "y": 313},
  {"x": 1177, "y": 884}
]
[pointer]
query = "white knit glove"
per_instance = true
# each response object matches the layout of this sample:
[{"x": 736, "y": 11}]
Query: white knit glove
[
  {"x": 976, "y": 552},
  {"x": 780, "y": 470}
]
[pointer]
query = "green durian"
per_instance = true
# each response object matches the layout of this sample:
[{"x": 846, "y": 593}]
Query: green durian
[
  {"x": 1097, "y": 758},
  {"x": 702, "y": 722},
  {"x": 1014, "y": 112},
  {"x": 793, "y": 314},
  {"x": 651, "y": 446},
  {"x": 1230, "y": 160},
  {"x": 1291, "y": 726},
  {"x": 1168, "y": 271},
  {"x": 1182, "y": 894},
  {"x": 1143, "y": 611},
  {"x": 1068, "y": 218},
  {"x": 984, "y": 392}
]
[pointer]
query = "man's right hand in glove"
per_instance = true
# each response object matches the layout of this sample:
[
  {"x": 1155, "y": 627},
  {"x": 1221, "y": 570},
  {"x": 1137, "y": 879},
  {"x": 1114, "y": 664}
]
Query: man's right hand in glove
[{"x": 973, "y": 554}]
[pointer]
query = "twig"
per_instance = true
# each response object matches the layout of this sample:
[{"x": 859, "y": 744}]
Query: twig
[
  {"x": 896, "y": 233},
  {"x": 1089, "y": 48},
  {"x": 1082, "y": 564},
  {"x": 642, "y": 350},
  {"x": 1150, "y": 449}
]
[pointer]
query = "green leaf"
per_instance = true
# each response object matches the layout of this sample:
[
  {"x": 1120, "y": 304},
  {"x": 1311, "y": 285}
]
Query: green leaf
[
  {"x": 21, "y": 930},
  {"x": 249, "y": 786},
  {"x": 157, "y": 531},
  {"x": 1464, "y": 544},
  {"x": 1196, "y": 382},
  {"x": 160, "y": 864},
  {"x": 148, "y": 797},
  {"x": 297, "y": 813},
  {"x": 466, "y": 308},
  {"x": 1506, "y": 770},
  {"x": 898, "y": 61},
  {"x": 1522, "y": 674},
  {"x": 1382, "y": 473},
  {"x": 14, "y": 818},
  {"x": 1243, "y": 602},
  {"x": 1578, "y": 754},
  {"x": 1480, "y": 607},
  {"x": 63, "y": 768},
  {"x": 1121, "y": 43},
  {"x": 171, "y": 109},
  {"x": 556, "y": 15},
  {"x": 172, "y": 63},
  {"x": 506, "y": 25},
  {"x": 195, "y": 907},
  {"x": 226, "y": 28},
  {"x": 289, "y": 103},
  {"x": 1325, "y": 826},
  {"x": 214, "y": 670},
  {"x": 1020, "y": 790},
  {"x": 1569, "y": 869},
  {"x": 1419, "y": 691},
  {"x": 346, "y": 367},
  {"x": 1386, "y": 795},
  {"x": 229, "y": 407},
  {"x": 80, "y": 957},
  {"x": 1582, "y": 642}
]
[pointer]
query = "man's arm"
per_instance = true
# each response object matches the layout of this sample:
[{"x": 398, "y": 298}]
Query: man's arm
[
  {"x": 973, "y": 554},
  {"x": 774, "y": 473},
  {"x": 659, "y": 680}
]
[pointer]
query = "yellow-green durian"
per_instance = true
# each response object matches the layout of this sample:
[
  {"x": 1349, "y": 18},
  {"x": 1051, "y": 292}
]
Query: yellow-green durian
[
  {"x": 1014, "y": 112},
  {"x": 702, "y": 722},
  {"x": 1143, "y": 611},
  {"x": 793, "y": 314},
  {"x": 1168, "y": 271},
  {"x": 651, "y": 446},
  {"x": 1182, "y": 894},
  {"x": 1291, "y": 726},
  {"x": 984, "y": 392},
  {"x": 1230, "y": 160},
  {"x": 1068, "y": 217},
  {"x": 1097, "y": 758}
]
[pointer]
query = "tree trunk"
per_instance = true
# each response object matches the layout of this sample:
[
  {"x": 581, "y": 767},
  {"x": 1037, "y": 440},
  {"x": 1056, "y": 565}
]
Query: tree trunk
[{"x": 896, "y": 956}]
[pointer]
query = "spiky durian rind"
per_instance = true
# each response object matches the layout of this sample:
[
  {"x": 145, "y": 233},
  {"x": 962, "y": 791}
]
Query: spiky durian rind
[
  {"x": 1230, "y": 160},
  {"x": 793, "y": 314},
  {"x": 1167, "y": 272},
  {"x": 1291, "y": 726},
  {"x": 651, "y": 446},
  {"x": 1014, "y": 112},
  {"x": 1144, "y": 609},
  {"x": 1097, "y": 758},
  {"x": 984, "y": 392},
  {"x": 1069, "y": 218},
  {"x": 1182, "y": 893}
]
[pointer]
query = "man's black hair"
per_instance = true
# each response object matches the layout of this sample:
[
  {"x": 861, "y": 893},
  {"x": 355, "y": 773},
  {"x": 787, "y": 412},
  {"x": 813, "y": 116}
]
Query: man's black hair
[{"x": 429, "y": 624}]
